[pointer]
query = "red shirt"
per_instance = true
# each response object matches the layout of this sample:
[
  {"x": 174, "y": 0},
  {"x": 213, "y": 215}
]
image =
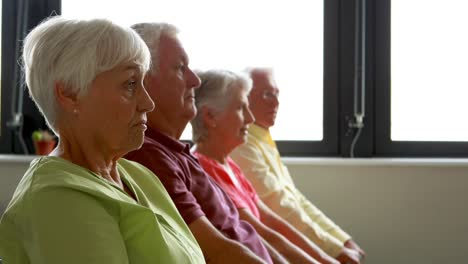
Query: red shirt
[
  {"x": 243, "y": 195},
  {"x": 194, "y": 193}
]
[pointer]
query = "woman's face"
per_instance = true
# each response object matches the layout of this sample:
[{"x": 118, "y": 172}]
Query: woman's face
[
  {"x": 232, "y": 123},
  {"x": 113, "y": 113}
]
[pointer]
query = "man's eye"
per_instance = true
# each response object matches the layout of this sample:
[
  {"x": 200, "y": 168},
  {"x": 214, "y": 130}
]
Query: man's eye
[{"x": 181, "y": 67}]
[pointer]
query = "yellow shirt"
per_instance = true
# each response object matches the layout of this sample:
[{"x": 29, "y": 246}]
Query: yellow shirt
[
  {"x": 261, "y": 163},
  {"x": 64, "y": 213}
]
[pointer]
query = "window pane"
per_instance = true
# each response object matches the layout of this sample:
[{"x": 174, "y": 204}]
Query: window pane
[
  {"x": 285, "y": 35},
  {"x": 428, "y": 69},
  {"x": 1, "y": 12}
]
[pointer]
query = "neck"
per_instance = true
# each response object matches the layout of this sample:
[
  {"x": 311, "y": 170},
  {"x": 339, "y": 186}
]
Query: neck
[
  {"x": 86, "y": 153},
  {"x": 263, "y": 126},
  {"x": 213, "y": 150},
  {"x": 172, "y": 128}
]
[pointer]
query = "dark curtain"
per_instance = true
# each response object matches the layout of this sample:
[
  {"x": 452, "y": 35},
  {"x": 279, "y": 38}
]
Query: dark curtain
[{"x": 19, "y": 116}]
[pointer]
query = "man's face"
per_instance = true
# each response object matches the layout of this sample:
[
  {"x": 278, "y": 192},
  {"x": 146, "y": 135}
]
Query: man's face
[
  {"x": 263, "y": 99},
  {"x": 172, "y": 84}
]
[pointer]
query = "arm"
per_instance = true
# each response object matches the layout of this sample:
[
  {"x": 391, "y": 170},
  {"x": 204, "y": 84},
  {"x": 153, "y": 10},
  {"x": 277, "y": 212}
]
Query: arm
[
  {"x": 352, "y": 245},
  {"x": 275, "y": 191},
  {"x": 349, "y": 256},
  {"x": 275, "y": 255},
  {"x": 321, "y": 219},
  {"x": 276, "y": 240},
  {"x": 71, "y": 227},
  {"x": 277, "y": 223},
  {"x": 217, "y": 248}
]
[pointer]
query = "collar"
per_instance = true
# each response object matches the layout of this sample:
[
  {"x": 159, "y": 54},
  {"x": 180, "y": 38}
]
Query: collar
[
  {"x": 167, "y": 141},
  {"x": 261, "y": 134}
]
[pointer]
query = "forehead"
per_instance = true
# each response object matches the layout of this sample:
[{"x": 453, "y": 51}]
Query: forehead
[
  {"x": 130, "y": 67},
  {"x": 170, "y": 48},
  {"x": 238, "y": 91},
  {"x": 263, "y": 81}
]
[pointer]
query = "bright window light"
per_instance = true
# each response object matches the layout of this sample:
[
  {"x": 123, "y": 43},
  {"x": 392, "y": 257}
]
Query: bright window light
[
  {"x": 234, "y": 35},
  {"x": 428, "y": 68}
]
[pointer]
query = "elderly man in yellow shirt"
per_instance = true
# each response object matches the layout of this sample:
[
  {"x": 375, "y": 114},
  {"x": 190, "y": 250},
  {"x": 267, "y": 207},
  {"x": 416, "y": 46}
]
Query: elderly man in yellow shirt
[{"x": 261, "y": 163}]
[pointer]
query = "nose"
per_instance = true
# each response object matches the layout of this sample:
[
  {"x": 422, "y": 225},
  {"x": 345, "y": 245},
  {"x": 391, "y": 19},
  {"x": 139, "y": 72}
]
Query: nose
[
  {"x": 249, "y": 118},
  {"x": 145, "y": 103},
  {"x": 193, "y": 81},
  {"x": 275, "y": 101}
]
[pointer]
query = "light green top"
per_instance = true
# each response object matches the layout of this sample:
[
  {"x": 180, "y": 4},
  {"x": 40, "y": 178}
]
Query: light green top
[{"x": 64, "y": 213}]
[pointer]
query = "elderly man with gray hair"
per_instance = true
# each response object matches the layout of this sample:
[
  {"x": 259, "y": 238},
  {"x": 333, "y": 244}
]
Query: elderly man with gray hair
[{"x": 205, "y": 207}]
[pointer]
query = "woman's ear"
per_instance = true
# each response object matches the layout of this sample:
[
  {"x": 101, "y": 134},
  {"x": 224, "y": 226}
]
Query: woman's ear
[
  {"x": 208, "y": 117},
  {"x": 65, "y": 98}
]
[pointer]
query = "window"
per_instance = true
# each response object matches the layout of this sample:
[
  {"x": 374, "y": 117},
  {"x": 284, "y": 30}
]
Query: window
[
  {"x": 413, "y": 65},
  {"x": 428, "y": 71},
  {"x": 420, "y": 52},
  {"x": 1, "y": 131},
  {"x": 19, "y": 115},
  {"x": 285, "y": 35}
]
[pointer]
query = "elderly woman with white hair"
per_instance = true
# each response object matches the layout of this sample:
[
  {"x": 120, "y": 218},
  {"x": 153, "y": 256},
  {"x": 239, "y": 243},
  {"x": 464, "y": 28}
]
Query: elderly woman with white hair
[
  {"x": 219, "y": 127},
  {"x": 83, "y": 203}
]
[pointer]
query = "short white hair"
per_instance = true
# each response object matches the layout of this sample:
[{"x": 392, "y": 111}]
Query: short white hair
[
  {"x": 215, "y": 92},
  {"x": 254, "y": 72},
  {"x": 74, "y": 52},
  {"x": 151, "y": 33}
]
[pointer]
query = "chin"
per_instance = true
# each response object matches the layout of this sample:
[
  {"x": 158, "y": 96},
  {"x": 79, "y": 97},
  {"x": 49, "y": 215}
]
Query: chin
[
  {"x": 190, "y": 114},
  {"x": 136, "y": 143},
  {"x": 242, "y": 141}
]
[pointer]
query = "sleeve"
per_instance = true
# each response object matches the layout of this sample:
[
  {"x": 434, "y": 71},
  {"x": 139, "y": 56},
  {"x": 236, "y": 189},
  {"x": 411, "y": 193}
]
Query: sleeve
[
  {"x": 321, "y": 219},
  {"x": 244, "y": 181},
  {"x": 249, "y": 158},
  {"x": 274, "y": 194},
  {"x": 219, "y": 175},
  {"x": 67, "y": 226},
  {"x": 170, "y": 173}
]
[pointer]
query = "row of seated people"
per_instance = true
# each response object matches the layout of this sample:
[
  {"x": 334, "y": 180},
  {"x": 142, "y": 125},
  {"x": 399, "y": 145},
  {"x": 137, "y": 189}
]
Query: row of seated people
[{"x": 121, "y": 188}]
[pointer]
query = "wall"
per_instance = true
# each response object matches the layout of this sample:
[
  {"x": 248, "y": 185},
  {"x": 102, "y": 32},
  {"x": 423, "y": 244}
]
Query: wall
[{"x": 399, "y": 210}]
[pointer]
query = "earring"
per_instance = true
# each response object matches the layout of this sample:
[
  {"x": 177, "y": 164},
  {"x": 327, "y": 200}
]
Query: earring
[{"x": 75, "y": 111}]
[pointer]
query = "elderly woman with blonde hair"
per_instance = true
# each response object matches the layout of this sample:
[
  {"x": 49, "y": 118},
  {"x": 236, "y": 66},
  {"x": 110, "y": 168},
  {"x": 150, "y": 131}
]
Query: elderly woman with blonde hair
[
  {"x": 83, "y": 203},
  {"x": 221, "y": 124}
]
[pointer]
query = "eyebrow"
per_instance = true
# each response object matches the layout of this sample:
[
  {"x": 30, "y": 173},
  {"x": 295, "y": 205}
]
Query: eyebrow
[
  {"x": 184, "y": 58},
  {"x": 133, "y": 67}
]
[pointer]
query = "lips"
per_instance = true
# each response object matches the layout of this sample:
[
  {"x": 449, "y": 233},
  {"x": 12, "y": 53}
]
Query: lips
[
  {"x": 190, "y": 97},
  {"x": 141, "y": 123}
]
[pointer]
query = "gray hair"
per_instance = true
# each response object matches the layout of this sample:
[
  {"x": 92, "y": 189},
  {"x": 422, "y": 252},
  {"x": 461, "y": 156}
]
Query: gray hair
[
  {"x": 74, "y": 52},
  {"x": 215, "y": 91},
  {"x": 253, "y": 72},
  {"x": 151, "y": 33}
]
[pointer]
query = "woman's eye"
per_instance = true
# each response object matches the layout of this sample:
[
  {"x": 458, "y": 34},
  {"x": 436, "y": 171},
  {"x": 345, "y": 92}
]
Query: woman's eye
[
  {"x": 131, "y": 86},
  {"x": 181, "y": 67}
]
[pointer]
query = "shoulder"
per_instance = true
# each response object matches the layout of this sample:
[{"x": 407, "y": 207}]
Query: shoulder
[
  {"x": 52, "y": 186},
  {"x": 156, "y": 157},
  {"x": 140, "y": 174}
]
